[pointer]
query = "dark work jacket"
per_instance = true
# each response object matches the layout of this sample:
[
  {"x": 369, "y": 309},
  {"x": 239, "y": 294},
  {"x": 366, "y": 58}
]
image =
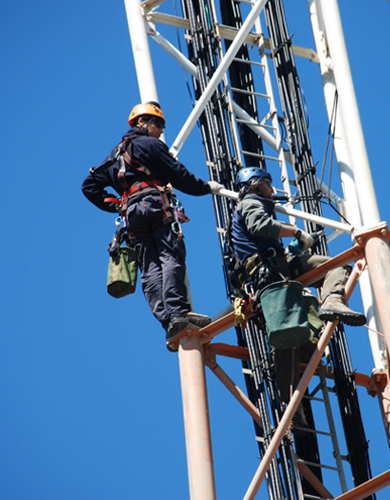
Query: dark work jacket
[
  {"x": 254, "y": 228},
  {"x": 153, "y": 154}
]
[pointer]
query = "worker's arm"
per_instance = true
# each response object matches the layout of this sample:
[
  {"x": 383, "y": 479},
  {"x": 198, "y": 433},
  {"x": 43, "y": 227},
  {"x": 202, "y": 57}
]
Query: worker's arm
[
  {"x": 287, "y": 230},
  {"x": 260, "y": 223}
]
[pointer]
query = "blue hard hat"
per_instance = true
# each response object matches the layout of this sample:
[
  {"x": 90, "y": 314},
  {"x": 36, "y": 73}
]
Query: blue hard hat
[{"x": 246, "y": 174}]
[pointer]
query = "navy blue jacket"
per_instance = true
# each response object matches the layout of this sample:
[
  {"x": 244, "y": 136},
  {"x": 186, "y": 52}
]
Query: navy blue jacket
[
  {"x": 254, "y": 228},
  {"x": 153, "y": 154}
]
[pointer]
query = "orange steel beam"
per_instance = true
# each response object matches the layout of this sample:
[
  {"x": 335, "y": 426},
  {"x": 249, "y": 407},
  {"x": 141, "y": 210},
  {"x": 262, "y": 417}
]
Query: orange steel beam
[
  {"x": 229, "y": 351},
  {"x": 351, "y": 255},
  {"x": 376, "y": 245},
  {"x": 233, "y": 388},
  {"x": 196, "y": 417},
  {"x": 374, "y": 384},
  {"x": 367, "y": 488}
]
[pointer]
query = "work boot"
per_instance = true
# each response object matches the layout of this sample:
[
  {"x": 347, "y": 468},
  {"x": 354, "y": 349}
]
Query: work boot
[
  {"x": 178, "y": 323},
  {"x": 335, "y": 309}
]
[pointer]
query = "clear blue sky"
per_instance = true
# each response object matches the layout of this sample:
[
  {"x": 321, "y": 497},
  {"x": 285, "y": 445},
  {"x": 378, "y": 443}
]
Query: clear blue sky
[{"x": 90, "y": 404}]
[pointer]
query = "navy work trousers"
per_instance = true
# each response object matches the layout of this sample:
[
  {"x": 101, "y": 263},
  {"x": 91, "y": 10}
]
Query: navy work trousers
[{"x": 161, "y": 257}]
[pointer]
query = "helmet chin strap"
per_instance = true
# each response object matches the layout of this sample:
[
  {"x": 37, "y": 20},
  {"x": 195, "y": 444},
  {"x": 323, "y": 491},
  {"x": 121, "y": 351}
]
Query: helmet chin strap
[
  {"x": 255, "y": 186},
  {"x": 144, "y": 128}
]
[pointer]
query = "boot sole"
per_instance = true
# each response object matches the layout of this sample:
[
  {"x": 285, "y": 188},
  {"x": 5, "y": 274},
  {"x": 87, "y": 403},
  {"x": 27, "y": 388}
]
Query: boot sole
[
  {"x": 179, "y": 324},
  {"x": 348, "y": 319}
]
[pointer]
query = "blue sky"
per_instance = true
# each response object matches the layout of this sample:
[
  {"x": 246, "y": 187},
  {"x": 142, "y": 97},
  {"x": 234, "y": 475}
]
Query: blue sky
[{"x": 90, "y": 397}]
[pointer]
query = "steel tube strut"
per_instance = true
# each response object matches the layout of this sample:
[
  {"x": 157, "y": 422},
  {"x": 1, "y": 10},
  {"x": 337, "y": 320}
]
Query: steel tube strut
[
  {"x": 377, "y": 253},
  {"x": 234, "y": 389},
  {"x": 216, "y": 78},
  {"x": 296, "y": 398},
  {"x": 364, "y": 490},
  {"x": 349, "y": 110},
  {"x": 196, "y": 417},
  {"x": 346, "y": 228},
  {"x": 141, "y": 53}
]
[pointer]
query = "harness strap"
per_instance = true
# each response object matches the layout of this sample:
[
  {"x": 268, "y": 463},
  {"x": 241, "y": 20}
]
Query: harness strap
[{"x": 139, "y": 186}]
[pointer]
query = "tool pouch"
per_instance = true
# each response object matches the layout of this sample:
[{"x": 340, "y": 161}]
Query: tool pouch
[
  {"x": 285, "y": 314},
  {"x": 122, "y": 272}
]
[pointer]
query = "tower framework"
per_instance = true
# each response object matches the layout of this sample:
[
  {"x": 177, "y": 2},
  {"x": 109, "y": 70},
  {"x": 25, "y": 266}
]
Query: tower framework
[{"x": 250, "y": 111}]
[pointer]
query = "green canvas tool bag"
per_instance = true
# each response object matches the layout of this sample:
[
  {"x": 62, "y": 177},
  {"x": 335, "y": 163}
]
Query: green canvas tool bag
[
  {"x": 122, "y": 273},
  {"x": 285, "y": 314}
]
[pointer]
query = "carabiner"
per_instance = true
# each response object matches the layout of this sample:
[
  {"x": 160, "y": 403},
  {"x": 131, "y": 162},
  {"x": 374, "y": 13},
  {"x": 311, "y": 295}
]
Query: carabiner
[{"x": 120, "y": 221}]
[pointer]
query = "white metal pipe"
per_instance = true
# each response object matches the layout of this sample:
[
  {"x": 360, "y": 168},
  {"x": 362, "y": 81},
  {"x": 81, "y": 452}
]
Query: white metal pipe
[
  {"x": 253, "y": 125},
  {"x": 351, "y": 206},
  {"x": 173, "y": 52},
  {"x": 323, "y": 221},
  {"x": 141, "y": 52},
  {"x": 350, "y": 113},
  {"x": 216, "y": 78}
]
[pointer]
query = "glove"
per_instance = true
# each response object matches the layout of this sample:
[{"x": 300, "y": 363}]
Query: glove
[
  {"x": 215, "y": 187},
  {"x": 304, "y": 238}
]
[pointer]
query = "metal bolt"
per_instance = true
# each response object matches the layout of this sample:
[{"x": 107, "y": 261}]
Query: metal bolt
[
  {"x": 188, "y": 331},
  {"x": 384, "y": 232}
]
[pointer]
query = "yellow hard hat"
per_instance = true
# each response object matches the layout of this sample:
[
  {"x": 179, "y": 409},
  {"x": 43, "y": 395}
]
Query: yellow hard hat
[{"x": 148, "y": 108}]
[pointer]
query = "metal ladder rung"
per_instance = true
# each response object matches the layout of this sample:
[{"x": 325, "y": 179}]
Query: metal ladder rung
[
  {"x": 248, "y": 92},
  {"x": 246, "y": 61},
  {"x": 249, "y": 2},
  {"x": 323, "y": 433},
  {"x": 240, "y": 120},
  {"x": 311, "y": 497},
  {"x": 314, "y": 464},
  {"x": 312, "y": 398},
  {"x": 256, "y": 155}
]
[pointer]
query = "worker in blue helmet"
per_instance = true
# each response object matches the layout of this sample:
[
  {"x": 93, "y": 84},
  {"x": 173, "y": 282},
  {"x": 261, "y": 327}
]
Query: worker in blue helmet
[{"x": 255, "y": 229}]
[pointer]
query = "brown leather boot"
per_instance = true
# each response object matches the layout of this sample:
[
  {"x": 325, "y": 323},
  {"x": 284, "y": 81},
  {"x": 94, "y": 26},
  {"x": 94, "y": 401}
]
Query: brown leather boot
[{"x": 335, "y": 309}]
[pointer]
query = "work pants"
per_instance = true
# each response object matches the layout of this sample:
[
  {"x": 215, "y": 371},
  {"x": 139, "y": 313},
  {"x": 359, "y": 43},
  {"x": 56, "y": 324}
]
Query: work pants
[
  {"x": 293, "y": 266},
  {"x": 161, "y": 257}
]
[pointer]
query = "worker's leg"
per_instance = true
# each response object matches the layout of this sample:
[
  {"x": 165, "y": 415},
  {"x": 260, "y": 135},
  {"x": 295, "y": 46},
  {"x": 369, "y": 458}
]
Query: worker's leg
[
  {"x": 162, "y": 263},
  {"x": 142, "y": 217},
  {"x": 287, "y": 378},
  {"x": 286, "y": 372},
  {"x": 172, "y": 253},
  {"x": 333, "y": 302},
  {"x": 151, "y": 277},
  {"x": 334, "y": 281}
]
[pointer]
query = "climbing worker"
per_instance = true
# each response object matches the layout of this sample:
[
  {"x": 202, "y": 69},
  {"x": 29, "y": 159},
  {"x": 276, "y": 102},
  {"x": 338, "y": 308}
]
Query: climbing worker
[
  {"x": 255, "y": 229},
  {"x": 153, "y": 214}
]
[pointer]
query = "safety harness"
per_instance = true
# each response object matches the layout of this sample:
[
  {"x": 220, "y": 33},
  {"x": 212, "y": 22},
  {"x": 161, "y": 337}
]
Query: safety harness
[
  {"x": 123, "y": 156},
  {"x": 255, "y": 272}
]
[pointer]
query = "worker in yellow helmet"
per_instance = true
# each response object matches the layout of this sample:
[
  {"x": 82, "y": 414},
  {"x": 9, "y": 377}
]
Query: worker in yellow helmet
[{"x": 153, "y": 214}]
